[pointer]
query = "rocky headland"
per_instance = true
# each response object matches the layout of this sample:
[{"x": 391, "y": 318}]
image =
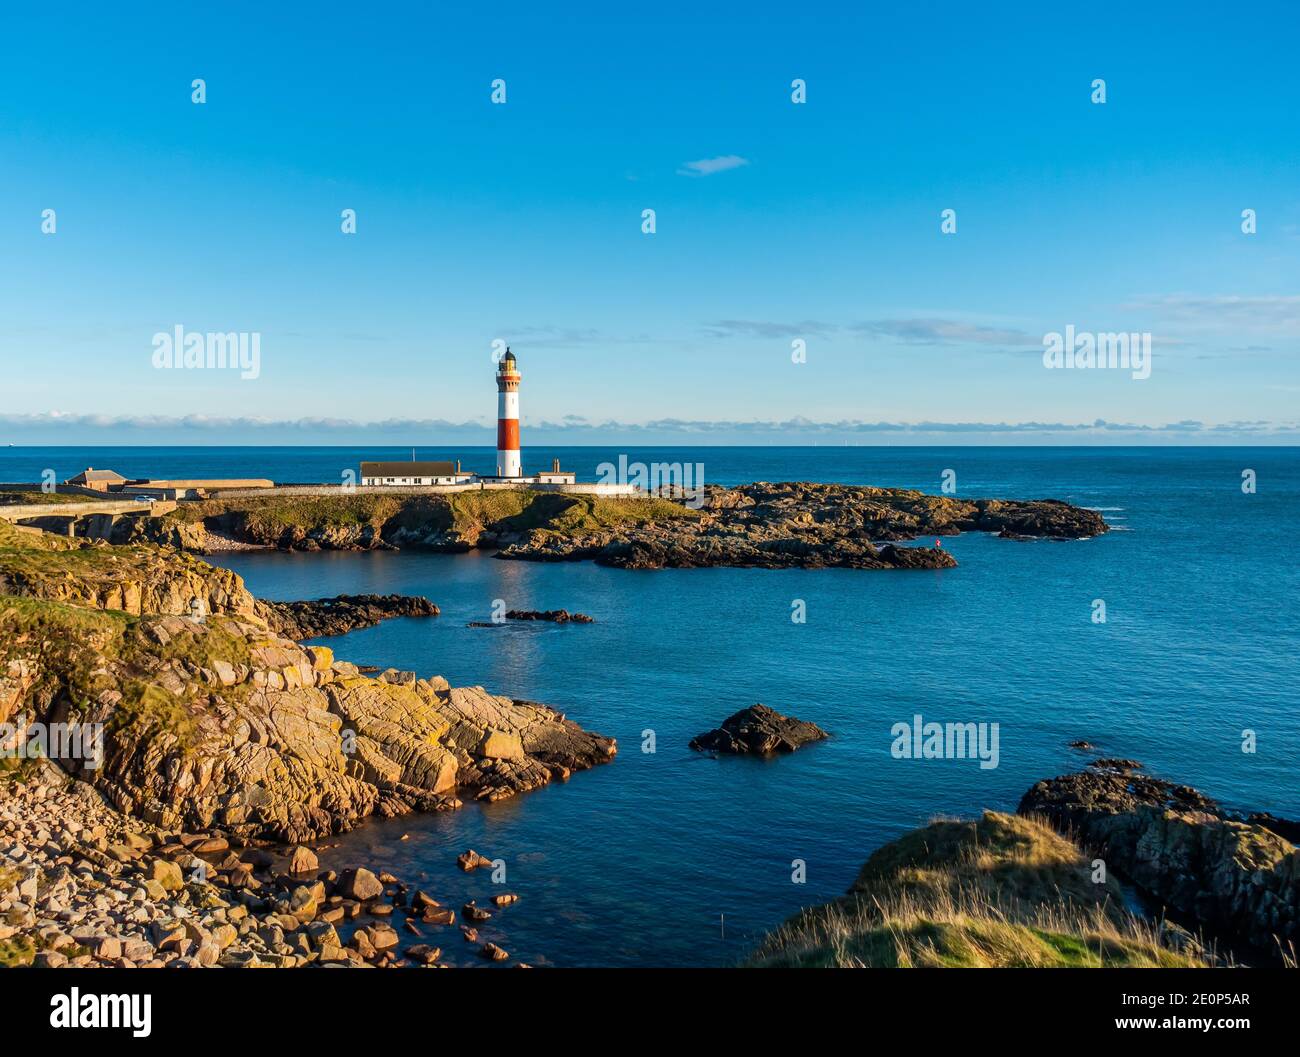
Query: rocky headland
[
  {"x": 761, "y": 525},
  {"x": 225, "y": 722}
]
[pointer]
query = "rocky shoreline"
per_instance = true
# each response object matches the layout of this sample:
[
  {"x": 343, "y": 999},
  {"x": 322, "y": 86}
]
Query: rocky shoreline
[
  {"x": 84, "y": 886},
  {"x": 761, "y": 525},
  {"x": 223, "y": 745},
  {"x": 204, "y": 745}
]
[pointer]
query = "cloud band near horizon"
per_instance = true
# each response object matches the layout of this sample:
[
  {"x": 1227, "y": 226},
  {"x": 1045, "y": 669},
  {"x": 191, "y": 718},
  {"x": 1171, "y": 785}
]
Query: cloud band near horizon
[{"x": 575, "y": 426}]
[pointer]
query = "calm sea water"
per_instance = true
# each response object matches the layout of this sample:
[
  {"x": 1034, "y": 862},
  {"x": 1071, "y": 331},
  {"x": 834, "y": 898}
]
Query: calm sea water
[{"x": 671, "y": 858}]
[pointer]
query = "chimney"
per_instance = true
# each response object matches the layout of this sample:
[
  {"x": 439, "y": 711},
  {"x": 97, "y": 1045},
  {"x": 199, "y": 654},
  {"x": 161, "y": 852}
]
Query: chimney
[
  {"x": 557, "y": 465},
  {"x": 458, "y": 466}
]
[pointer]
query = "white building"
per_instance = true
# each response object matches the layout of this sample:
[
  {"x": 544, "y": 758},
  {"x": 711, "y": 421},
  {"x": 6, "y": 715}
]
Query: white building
[{"x": 413, "y": 473}]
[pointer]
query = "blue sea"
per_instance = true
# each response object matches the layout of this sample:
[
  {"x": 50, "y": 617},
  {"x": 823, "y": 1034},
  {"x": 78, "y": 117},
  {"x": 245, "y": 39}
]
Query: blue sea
[{"x": 669, "y": 858}]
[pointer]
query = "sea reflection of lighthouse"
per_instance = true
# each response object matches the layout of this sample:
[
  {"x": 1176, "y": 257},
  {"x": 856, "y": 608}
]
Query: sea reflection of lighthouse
[{"x": 508, "y": 464}]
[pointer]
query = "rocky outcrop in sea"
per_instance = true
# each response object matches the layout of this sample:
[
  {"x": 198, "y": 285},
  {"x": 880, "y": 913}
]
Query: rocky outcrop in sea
[
  {"x": 340, "y": 614},
  {"x": 760, "y": 731},
  {"x": 553, "y": 616}
]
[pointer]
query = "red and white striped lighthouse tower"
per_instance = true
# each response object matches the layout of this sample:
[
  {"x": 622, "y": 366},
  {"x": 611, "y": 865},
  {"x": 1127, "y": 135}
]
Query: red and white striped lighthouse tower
[{"x": 508, "y": 417}]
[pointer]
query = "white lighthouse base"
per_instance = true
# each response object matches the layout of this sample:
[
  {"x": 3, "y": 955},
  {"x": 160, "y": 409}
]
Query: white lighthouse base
[{"x": 508, "y": 464}]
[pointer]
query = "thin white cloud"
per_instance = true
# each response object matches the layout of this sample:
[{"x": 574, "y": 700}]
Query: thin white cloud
[
  {"x": 709, "y": 166},
  {"x": 945, "y": 332},
  {"x": 755, "y": 328},
  {"x": 931, "y": 331},
  {"x": 1279, "y": 312}
]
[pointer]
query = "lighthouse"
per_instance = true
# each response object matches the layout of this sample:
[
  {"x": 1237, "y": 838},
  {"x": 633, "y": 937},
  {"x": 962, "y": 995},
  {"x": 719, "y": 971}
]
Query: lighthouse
[{"x": 508, "y": 417}]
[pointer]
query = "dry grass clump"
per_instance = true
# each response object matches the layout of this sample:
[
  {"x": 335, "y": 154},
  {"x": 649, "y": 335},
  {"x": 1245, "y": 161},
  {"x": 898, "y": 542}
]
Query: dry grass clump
[{"x": 1001, "y": 892}]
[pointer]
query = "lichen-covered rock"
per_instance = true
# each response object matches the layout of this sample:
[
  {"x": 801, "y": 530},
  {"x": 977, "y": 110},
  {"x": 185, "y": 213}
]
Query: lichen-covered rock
[
  {"x": 295, "y": 751},
  {"x": 1233, "y": 875}
]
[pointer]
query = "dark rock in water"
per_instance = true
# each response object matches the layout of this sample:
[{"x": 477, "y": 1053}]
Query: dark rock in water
[
  {"x": 341, "y": 614},
  {"x": 1108, "y": 764},
  {"x": 1082, "y": 745},
  {"x": 1238, "y": 876},
  {"x": 556, "y": 616},
  {"x": 759, "y": 730}
]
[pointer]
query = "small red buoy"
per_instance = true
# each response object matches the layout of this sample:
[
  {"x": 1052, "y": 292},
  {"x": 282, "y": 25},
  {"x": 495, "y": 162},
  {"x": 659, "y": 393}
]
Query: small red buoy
[{"x": 939, "y": 543}]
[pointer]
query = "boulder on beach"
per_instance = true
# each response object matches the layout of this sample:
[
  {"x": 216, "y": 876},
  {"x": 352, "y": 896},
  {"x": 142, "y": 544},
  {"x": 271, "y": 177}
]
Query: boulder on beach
[
  {"x": 359, "y": 884},
  {"x": 758, "y": 730}
]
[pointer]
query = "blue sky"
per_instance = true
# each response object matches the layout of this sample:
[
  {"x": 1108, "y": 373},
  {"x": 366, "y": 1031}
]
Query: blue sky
[{"x": 522, "y": 221}]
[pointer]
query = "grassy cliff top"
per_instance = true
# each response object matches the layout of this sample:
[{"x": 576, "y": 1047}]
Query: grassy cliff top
[
  {"x": 29, "y": 558},
  {"x": 38, "y": 498},
  {"x": 1000, "y": 892},
  {"x": 505, "y": 509}
]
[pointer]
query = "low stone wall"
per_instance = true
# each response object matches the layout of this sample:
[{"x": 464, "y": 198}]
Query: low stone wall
[
  {"x": 29, "y": 511},
  {"x": 593, "y": 488}
]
